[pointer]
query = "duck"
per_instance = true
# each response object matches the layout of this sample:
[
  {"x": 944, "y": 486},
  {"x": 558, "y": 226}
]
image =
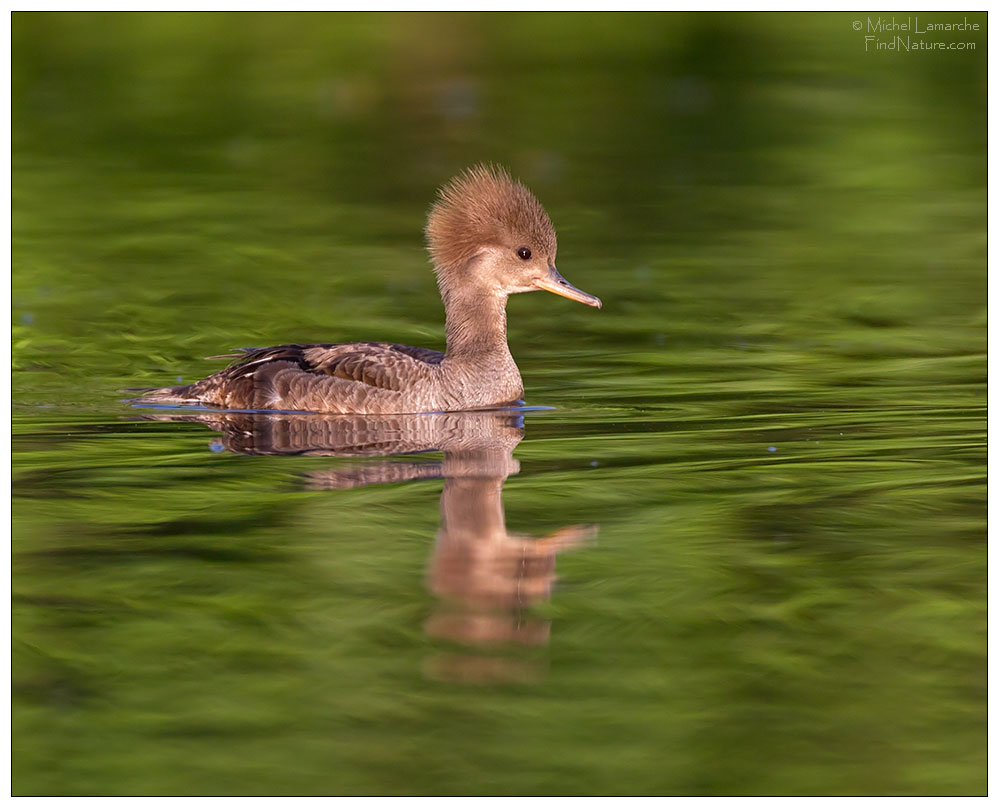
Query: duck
[{"x": 488, "y": 237}]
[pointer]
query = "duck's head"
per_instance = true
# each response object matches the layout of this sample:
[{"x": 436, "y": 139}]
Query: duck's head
[{"x": 488, "y": 233}]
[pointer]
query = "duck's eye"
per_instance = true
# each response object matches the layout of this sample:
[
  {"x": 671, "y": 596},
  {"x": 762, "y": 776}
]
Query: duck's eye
[{"x": 525, "y": 253}]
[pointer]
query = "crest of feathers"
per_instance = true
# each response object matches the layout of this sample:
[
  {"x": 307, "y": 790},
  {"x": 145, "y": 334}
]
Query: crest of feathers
[{"x": 483, "y": 206}]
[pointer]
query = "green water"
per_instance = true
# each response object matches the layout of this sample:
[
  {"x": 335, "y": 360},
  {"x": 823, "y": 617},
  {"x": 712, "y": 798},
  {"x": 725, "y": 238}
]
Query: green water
[{"x": 762, "y": 482}]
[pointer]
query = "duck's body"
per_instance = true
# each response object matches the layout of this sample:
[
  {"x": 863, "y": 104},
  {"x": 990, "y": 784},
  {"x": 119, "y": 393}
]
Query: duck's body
[
  {"x": 489, "y": 238},
  {"x": 354, "y": 377}
]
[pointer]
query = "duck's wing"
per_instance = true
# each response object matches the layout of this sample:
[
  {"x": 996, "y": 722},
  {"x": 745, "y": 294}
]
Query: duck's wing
[
  {"x": 370, "y": 377},
  {"x": 380, "y": 365},
  {"x": 355, "y": 377}
]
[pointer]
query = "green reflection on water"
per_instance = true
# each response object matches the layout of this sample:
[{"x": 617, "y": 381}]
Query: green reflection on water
[{"x": 789, "y": 238}]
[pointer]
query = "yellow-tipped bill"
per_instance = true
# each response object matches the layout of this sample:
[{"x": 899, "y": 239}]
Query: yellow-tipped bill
[{"x": 560, "y": 286}]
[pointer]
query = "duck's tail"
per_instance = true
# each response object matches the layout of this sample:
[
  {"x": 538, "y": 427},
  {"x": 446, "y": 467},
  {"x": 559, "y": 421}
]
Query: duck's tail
[{"x": 182, "y": 394}]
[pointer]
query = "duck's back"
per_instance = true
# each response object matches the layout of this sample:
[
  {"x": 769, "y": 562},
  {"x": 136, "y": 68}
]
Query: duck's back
[{"x": 355, "y": 377}]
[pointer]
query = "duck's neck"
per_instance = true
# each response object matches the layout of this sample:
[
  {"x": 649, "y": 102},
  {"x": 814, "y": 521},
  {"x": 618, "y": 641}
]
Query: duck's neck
[{"x": 475, "y": 322}]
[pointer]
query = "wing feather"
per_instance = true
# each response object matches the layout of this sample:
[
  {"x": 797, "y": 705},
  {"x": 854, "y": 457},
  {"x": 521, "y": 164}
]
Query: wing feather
[{"x": 380, "y": 365}]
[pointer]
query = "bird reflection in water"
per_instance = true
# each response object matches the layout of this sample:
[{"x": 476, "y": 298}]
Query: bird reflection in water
[{"x": 487, "y": 579}]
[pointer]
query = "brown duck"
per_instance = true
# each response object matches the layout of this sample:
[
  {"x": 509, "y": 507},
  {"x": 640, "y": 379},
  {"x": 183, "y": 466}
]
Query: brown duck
[{"x": 489, "y": 238}]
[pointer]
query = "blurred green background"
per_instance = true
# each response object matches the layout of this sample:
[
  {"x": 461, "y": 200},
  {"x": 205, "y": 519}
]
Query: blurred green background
[{"x": 778, "y": 418}]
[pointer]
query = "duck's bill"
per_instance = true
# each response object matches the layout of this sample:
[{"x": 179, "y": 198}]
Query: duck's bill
[{"x": 558, "y": 285}]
